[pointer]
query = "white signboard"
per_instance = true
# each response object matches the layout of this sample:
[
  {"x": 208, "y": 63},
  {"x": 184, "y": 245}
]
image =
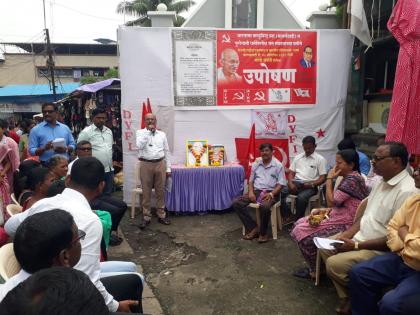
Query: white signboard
[{"x": 194, "y": 68}]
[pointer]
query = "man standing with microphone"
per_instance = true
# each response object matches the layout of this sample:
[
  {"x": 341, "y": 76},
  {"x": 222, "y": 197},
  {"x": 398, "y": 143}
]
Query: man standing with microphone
[{"x": 154, "y": 168}]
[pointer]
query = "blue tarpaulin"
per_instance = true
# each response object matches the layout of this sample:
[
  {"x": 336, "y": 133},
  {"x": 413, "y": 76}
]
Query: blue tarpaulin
[{"x": 31, "y": 93}]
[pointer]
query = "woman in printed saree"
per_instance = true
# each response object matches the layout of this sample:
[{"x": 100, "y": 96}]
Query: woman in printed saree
[
  {"x": 342, "y": 202},
  {"x": 9, "y": 162}
]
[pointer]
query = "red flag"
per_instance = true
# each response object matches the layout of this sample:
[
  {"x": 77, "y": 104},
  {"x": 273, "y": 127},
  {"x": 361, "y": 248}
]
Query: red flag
[
  {"x": 149, "y": 107},
  {"x": 280, "y": 146},
  {"x": 251, "y": 151},
  {"x": 143, "y": 113}
]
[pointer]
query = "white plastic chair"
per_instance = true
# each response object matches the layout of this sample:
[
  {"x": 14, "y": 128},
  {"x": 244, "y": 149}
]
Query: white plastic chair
[
  {"x": 275, "y": 217},
  {"x": 314, "y": 199},
  {"x": 9, "y": 266},
  {"x": 13, "y": 209},
  {"x": 136, "y": 190},
  {"x": 13, "y": 197}
]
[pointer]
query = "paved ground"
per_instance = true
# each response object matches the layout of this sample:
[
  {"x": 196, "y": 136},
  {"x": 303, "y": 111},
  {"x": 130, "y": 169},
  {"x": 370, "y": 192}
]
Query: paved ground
[{"x": 199, "y": 265}]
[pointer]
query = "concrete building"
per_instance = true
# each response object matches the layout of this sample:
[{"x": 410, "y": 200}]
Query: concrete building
[
  {"x": 25, "y": 63},
  {"x": 243, "y": 14}
]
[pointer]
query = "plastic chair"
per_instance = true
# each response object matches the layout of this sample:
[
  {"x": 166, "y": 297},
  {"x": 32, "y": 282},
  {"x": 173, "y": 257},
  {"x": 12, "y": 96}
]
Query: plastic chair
[
  {"x": 275, "y": 217},
  {"x": 314, "y": 199},
  {"x": 9, "y": 266},
  {"x": 13, "y": 209},
  {"x": 13, "y": 197},
  {"x": 136, "y": 190}
]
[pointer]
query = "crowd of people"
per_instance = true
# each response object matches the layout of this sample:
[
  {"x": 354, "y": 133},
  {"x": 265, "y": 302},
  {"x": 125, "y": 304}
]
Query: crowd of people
[
  {"x": 376, "y": 261},
  {"x": 69, "y": 217},
  {"x": 67, "y": 220}
]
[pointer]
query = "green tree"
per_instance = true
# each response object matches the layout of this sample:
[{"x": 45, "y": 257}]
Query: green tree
[
  {"x": 109, "y": 74},
  {"x": 139, "y": 9}
]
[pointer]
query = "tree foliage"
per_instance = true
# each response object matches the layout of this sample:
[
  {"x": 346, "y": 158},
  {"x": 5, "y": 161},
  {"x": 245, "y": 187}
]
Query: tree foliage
[
  {"x": 109, "y": 74},
  {"x": 139, "y": 9}
]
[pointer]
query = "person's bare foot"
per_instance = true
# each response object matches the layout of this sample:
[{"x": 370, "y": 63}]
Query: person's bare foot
[{"x": 251, "y": 235}]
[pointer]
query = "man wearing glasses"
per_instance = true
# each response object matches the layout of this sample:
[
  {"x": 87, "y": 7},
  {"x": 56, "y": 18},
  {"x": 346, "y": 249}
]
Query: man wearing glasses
[
  {"x": 42, "y": 136},
  {"x": 83, "y": 149},
  {"x": 114, "y": 206},
  {"x": 398, "y": 269},
  {"x": 44, "y": 240},
  {"x": 366, "y": 238},
  {"x": 84, "y": 184}
]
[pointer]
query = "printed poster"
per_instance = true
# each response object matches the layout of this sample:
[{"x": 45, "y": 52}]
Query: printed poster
[
  {"x": 270, "y": 123},
  {"x": 266, "y": 67},
  {"x": 194, "y": 67}
]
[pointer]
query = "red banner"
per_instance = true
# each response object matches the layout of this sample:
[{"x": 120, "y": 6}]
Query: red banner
[
  {"x": 266, "y": 67},
  {"x": 280, "y": 147}
]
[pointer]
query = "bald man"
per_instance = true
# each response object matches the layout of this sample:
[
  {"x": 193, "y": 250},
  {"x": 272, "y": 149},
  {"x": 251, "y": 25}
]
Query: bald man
[
  {"x": 154, "y": 168},
  {"x": 229, "y": 61}
]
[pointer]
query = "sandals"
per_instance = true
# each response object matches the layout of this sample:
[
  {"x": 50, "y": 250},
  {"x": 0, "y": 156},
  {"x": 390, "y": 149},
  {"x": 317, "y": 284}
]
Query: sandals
[
  {"x": 303, "y": 273},
  {"x": 251, "y": 235}
]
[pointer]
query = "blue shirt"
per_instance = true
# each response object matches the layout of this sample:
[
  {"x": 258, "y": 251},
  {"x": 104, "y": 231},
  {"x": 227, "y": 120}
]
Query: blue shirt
[
  {"x": 364, "y": 163},
  {"x": 43, "y": 133},
  {"x": 266, "y": 177}
]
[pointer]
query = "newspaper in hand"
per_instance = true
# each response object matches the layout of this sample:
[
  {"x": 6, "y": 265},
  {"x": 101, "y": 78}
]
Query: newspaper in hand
[
  {"x": 326, "y": 243},
  {"x": 59, "y": 143}
]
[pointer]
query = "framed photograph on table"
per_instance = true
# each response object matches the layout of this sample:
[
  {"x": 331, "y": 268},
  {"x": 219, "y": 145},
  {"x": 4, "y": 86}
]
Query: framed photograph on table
[
  {"x": 216, "y": 154},
  {"x": 197, "y": 153}
]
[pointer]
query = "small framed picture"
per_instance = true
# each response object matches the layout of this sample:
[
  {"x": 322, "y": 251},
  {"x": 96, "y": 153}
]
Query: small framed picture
[
  {"x": 216, "y": 154},
  {"x": 197, "y": 153}
]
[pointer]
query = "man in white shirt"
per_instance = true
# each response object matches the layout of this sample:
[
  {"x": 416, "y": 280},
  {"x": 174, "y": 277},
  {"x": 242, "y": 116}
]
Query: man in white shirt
[
  {"x": 155, "y": 166},
  {"x": 307, "y": 171},
  {"x": 46, "y": 239},
  {"x": 116, "y": 207},
  {"x": 366, "y": 238},
  {"x": 83, "y": 149},
  {"x": 102, "y": 140},
  {"x": 85, "y": 183}
]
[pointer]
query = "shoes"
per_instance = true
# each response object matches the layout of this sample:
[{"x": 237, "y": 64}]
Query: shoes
[
  {"x": 164, "y": 221},
  {"x": 263, "y": 239},
  {"x": 251, "y": 235},
  {"x": 114, "y": 240},
  {"x": 344, "y": 308},
  {"x": 303, "y": 273},
  {"x": 143, "y": 224}
]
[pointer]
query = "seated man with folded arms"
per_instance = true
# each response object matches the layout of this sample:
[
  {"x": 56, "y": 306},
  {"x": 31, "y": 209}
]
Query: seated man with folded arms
[
  {"x": 366, "y": 238},
  {"x": 399, "y": 269},
  {"x": 266, "y": 181},
  {"x": 307, "y": 171},
  {"x": 83, "y": 185}
]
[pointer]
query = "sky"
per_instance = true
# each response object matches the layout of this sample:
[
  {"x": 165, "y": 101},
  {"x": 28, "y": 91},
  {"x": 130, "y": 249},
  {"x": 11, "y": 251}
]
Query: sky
[{"x": 81, "y": 21}]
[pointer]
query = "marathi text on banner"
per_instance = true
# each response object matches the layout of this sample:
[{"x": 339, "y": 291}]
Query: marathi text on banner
[
  {"x": 194, "y": 67},
  {"x": 266, "y": 67}
]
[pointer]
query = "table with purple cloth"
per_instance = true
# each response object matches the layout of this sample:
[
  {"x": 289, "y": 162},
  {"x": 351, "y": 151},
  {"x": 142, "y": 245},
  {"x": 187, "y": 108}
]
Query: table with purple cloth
[{"x": 198, "y": 189}]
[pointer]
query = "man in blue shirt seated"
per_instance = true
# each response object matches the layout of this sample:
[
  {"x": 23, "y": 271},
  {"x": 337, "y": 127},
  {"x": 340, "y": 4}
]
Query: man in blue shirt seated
[
  {"x": 42, "y": 136},
  {"x": 266, "y": 181},
  {"x": 347, "y": 143}
]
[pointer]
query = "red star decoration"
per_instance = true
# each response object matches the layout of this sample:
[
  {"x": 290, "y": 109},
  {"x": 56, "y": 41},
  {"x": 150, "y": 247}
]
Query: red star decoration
[{"x": 320, "y": 132}]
